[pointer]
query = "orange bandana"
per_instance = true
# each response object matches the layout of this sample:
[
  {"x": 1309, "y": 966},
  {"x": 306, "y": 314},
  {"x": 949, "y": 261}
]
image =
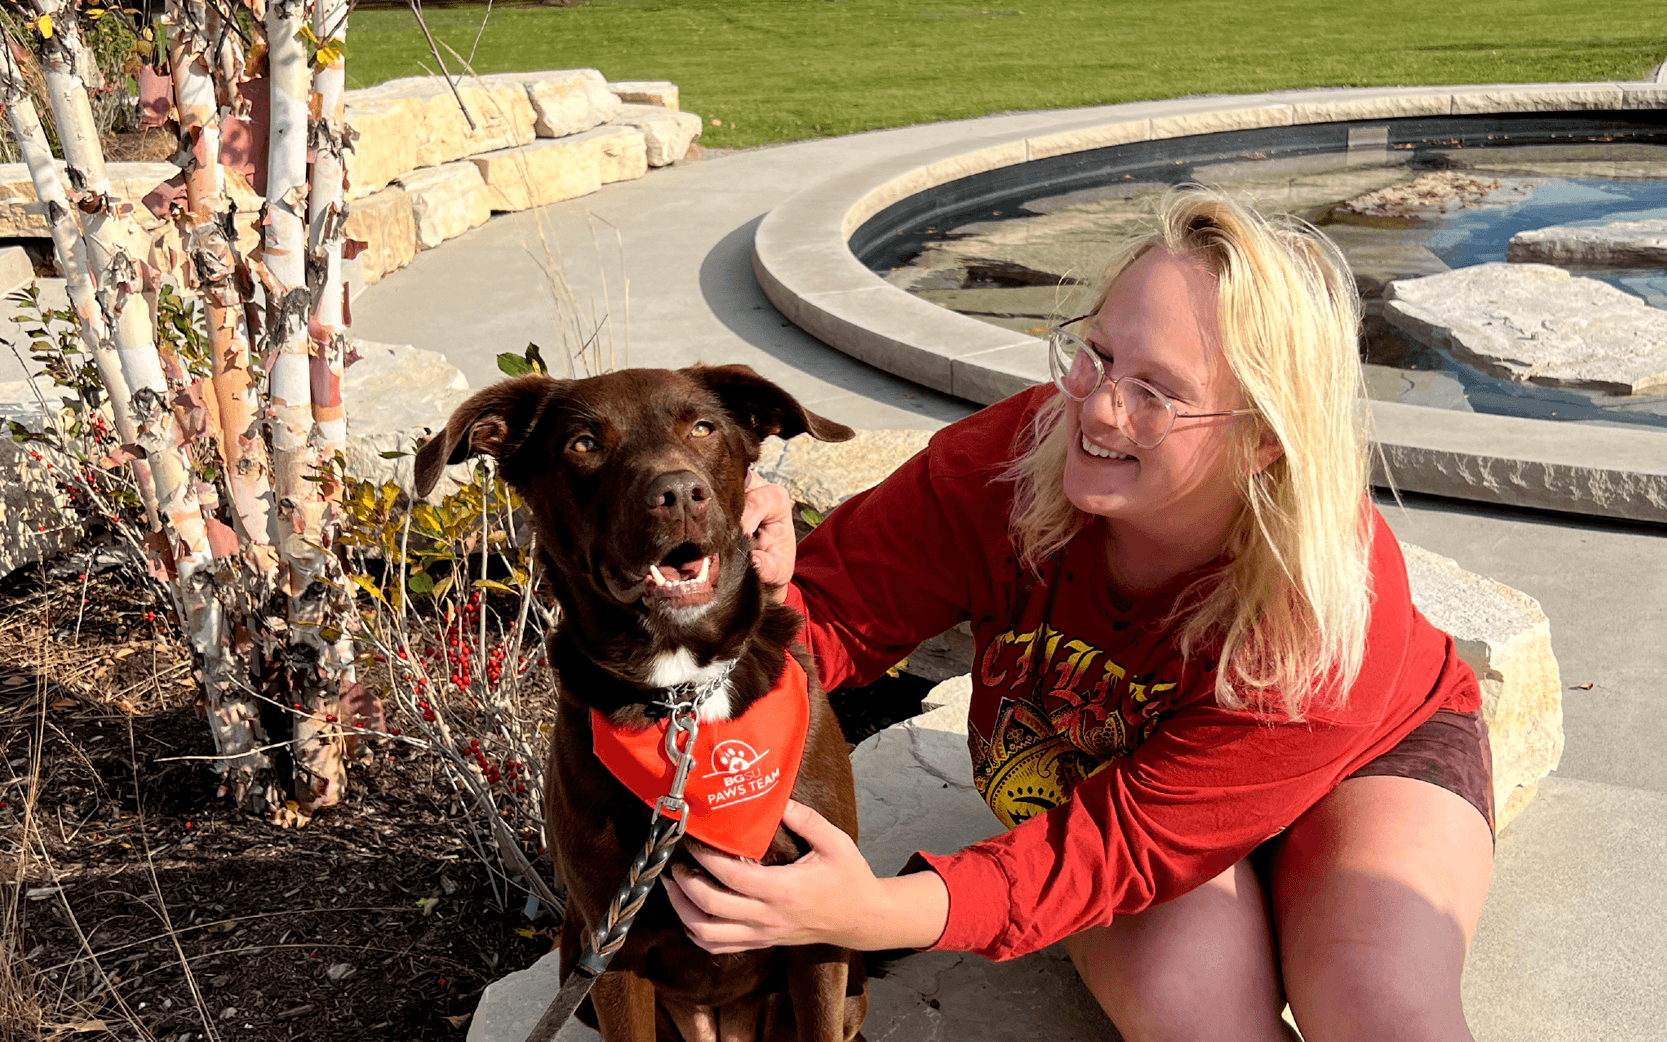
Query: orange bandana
[{"x": 753, "y": 761}]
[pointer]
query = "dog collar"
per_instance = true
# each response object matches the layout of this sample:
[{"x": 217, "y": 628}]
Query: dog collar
[{"x": 744, "y": 768}]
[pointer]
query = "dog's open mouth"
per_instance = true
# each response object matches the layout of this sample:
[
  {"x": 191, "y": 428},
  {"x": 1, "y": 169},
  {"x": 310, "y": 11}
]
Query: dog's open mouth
[{"x": 684, "y": 578}]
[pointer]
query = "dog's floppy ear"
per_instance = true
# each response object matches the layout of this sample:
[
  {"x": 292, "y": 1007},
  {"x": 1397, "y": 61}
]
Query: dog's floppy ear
[
  {"x": 764, "y": 408},
  {"x": 492, "y": 422}
]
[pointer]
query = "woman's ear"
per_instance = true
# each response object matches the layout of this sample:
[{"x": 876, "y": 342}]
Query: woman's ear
[{"x": 1268, "y": 449}]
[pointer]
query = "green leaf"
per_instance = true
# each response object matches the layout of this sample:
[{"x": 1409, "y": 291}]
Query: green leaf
[
  {"x": 420, "y": 582},
  {"x": 513, "y": 365},
  {"x": 811, "y": 517},
  {"x": 393, "y": 454}
]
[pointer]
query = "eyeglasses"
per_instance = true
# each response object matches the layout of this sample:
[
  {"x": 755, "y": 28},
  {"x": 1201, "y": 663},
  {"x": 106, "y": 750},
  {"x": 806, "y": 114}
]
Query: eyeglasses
[{"x": 1143, "y": 413}]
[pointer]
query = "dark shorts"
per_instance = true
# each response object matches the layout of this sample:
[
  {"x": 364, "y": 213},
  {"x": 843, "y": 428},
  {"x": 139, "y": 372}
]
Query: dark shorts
[{"x": 1450, "y": 750}]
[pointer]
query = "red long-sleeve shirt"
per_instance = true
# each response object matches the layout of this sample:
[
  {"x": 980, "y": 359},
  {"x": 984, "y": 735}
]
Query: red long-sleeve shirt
[{"x": 1124, "y": 783}]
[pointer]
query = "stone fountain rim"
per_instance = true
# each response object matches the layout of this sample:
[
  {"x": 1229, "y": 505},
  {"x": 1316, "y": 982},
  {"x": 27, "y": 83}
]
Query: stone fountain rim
[{"x": 805, "y": 266}]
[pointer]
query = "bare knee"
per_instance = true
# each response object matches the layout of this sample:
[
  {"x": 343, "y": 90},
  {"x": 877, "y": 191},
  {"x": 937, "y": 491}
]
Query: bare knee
[{"x": 1199, "y": 968}]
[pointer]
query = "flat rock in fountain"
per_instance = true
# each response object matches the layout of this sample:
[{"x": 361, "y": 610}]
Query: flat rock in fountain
[
  {"x": 1621, "y": 244},
  {"x": 667, "y": 133},
  {"x": 1432, "y": 196},
  {"x": 1536, "y": 323}
]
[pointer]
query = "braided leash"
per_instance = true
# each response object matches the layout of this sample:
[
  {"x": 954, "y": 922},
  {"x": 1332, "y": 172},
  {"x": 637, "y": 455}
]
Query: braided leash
[{"x": 682, "y": 704}]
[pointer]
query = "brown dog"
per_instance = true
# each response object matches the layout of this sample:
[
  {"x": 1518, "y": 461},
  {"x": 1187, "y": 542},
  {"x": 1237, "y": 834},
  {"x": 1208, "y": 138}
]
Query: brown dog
[{"x": 635, "y": 483}]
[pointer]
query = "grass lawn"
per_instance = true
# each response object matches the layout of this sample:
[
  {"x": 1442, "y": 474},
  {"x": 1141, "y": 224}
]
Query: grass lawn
[{"x": 783, "y": 70}]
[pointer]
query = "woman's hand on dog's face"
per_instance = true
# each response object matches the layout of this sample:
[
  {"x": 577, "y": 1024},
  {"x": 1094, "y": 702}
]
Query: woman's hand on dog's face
[
  {"x": 829, "y": 896},
  {"x": 768, "y": 518}
]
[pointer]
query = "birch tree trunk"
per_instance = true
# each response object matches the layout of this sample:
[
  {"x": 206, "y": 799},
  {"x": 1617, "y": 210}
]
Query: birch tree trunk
[
  {"x": 72, "y": 259},
  {"x": 113, "y": 248},
  {"x": 308, "y": 428}
]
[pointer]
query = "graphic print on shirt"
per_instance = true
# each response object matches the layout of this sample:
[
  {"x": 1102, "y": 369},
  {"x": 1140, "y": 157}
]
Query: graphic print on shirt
[{"x": 1060, "y": 719}]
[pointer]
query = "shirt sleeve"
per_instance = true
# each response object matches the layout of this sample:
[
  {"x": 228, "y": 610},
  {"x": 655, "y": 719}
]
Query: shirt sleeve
[
  {"x": 1196, "y": 797},
  {"x": 886, "y": 570}
]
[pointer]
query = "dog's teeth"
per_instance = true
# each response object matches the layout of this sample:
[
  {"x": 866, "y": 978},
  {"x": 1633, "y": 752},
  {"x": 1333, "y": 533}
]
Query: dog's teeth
[
  {"x": 705, "y": 567},
  {"x": 655, "y": 578}
]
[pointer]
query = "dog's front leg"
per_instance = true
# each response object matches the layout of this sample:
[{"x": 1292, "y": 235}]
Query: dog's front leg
[
  {"x": 819, "y": 978},
  {"x": 624, "y": 1007}
]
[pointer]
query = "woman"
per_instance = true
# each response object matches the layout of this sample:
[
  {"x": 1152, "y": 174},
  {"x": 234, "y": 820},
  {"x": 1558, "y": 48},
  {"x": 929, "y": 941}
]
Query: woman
[{"x": 1238, "y": 767}]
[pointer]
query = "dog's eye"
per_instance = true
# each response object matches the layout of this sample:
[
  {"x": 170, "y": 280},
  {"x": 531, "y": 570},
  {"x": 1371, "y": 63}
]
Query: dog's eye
[
  {"x": 702, "y": 429},
  {"x": 583, "y": 443}
]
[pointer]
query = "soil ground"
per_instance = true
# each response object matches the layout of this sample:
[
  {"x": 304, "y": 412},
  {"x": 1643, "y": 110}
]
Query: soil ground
[{"x": 146, "y": 908}]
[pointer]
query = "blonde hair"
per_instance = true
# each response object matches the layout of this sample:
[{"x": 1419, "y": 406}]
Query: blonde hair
[{"x": 1289, "y": 609}]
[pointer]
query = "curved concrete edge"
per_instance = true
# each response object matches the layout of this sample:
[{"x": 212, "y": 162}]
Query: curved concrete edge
[{"x": 805, "y": 267}]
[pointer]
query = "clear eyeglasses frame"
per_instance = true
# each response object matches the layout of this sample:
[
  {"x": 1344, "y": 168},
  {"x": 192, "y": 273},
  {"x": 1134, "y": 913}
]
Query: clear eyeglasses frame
[{"x": 1143, "y": 413}]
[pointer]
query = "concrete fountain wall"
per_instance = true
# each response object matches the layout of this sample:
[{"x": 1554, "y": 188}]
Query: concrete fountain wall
[{"x": 803, "y": 260}]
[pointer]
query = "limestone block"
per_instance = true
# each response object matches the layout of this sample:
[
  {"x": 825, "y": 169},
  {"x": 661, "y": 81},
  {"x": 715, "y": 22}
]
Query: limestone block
[
  {"x": 546, "y": 171},
  {"x": 622, "y": 152},
  {"x": 1537, "y": 97},
  {"x": 387, "y": 143},
  {"x": 569, "y": 101},
  {"x": 33, "y": 521},
  {"x": 1068, "y": 141},
  {"x": 1343, "y": 106},
  {"x": 1535, "y": 323},
  {"x": 501, "y": 111},
  {"x": 822, "y": 474},
  {"x": 1214, "y": 122},
  {"x": 384, "y": 222},
  {"x": 667, "y": 132},
  {"x": 15, "y": 268},
  {"x": 1503, "y": 635},
  {"x": 647, "y": 92},
  {"x": 446, "y": 201},
  {"x": 393, "y": 394},
  {"x": 1621, "y": 244},
  {"x": 23, "y": 217}
]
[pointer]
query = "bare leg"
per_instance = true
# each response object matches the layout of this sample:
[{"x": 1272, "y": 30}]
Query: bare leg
[
  {"x": 1376, "y": 894},
  {"x": 1197, "y": 968}
]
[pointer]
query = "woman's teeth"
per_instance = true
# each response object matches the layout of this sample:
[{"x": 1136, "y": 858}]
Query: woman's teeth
[{"x": 1094, "y": 450}]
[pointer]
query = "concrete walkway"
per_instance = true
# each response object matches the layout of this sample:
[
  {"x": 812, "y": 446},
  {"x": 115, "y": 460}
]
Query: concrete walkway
[{"x": 1573, "y": 942}]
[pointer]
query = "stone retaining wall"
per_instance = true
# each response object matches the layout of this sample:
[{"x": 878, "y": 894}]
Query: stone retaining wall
[{"x": 538, "y": 138}]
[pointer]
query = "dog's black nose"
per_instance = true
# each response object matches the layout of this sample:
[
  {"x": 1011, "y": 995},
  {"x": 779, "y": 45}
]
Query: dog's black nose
[{"x": 678, "y": 495}]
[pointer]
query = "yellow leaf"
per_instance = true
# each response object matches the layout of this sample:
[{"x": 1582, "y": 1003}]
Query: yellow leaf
[
  {"x": 490, "y": 585},
  {"x": 525, "y": 931},
  {"x": 370, "y": 587},
  {"x": 45, "y": 26}
]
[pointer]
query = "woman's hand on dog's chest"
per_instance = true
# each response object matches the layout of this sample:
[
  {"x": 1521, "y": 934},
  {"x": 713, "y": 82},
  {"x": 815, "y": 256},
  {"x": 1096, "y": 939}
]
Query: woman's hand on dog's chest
[{"x": 829, "y": 896}]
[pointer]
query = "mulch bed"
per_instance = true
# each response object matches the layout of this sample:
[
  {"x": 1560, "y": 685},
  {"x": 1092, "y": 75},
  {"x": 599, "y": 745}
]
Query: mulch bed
[{"x": 375, "y": 921}]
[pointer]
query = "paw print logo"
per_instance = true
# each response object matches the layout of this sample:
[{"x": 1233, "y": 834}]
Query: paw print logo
[{"x": 732, "y": 757}]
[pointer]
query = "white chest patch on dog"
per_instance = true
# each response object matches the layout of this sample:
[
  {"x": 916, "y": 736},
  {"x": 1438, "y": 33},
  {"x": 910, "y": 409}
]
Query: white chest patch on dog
[{"x": 670, "y": 668}]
